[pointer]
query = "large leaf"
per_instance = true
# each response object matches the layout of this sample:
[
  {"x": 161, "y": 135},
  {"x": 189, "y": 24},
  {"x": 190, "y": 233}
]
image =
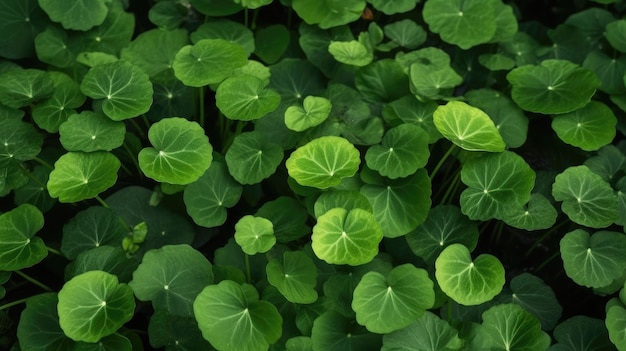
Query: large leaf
[
  {"x": 386, "y": 304},
  {"x": 181, "y": 152},
  {"x": 580, "y": 333},
  {"x": 403, "y": 150},
  {"x": 110, "y": 259},
  {"x": 78, "y": 15},
  {"x": 554, "y": 86},
  {"x": 91, "y": 228},
  {"x": 509, "y": 327},
  {"x": 250, "y": 158},
  {"x": 39, "y": 328},
  {"x": 228, "y": 30},
  {"x": 171, "y": 277},
  {"x": 79, "y": 176},
  {"x": 346, "y": 237},
  {"x": 232, "y": 318},
  {"x": 125, "y": 90},
  {"x": 536, "y": 297},
  {"x": 468, "y": 127},
  {"x": 593, "y": 260},
  {"x": 20, "y": 22},
  {"x": 295, "y": 276},
  {"x": 587, "y": 198},
  {"x": 466, "y": 281},
  {"x": 93, "y": 305},
  {"x": 427, "y": 333},
  {"x": 89, "y": 131},
  {"x": 245, "y": 97},
  {"x": 19, "y": 247},
  {"x": 588, "y": 128}
]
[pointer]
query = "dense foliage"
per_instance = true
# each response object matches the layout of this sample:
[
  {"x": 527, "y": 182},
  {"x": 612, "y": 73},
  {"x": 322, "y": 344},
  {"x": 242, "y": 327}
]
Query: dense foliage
[{"x": 312, "y": 175}]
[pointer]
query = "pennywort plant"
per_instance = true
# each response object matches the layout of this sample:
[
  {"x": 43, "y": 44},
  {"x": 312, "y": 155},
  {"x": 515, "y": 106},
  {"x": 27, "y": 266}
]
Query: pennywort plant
[{"x": 312, "y": 175}]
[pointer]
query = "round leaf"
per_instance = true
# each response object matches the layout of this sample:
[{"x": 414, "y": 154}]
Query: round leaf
[
  {"x": 616, "y": 324},
  {"x": 79, "y": 15},
  {"x": 386, "y": 304},
  {"x": 593, "y": 261},
  {"x": 250, "y": 158},
  {"x": 315, "y": 110},
  {"x": 463, "y": 23},
  {"x": 406, "y": 33},
  {"x": 588, "y": 128},
  {"x": 245, "y": 98},
  {"x": 94, "y": 227},
  {"x": 232, "y": 318},
  {"x": 537, "y": 214},
  {"x": 19, "y": 247},
  {"x": 328, "y": 13},
  {"x": 496, "y": 183},
  {"x": 323, "y": 162},
  {"x": 93, "y": 305},
  {"x": 181, "y": 152},
  {"x": 171, "y": 277},
  {"x": 554, "y": 86},
  {"x": 429, "y": 332},
  {"x": 587, "y": 198},
  {"x": 89, "y": 131},
  {"x": 288, "y": 216},
  {"x": 125, "y": 90},
  {"x": 208, "y": 61},
  {"x": 403, "y": 150},
  {"x": 345, "y": 199},
  {"x": 409, "y": 109},
  {"x": 79, "y": 176},
  {"x": 465, "y": 281},
  {"x": 254, "y": 234},
  {"x": 582, "y": 333},
  {"x": 468, "y": 127},
  {"x": 39, "y": 328},
  {"x": 509, "y": 327},
  {"x": 295, "y": 277},
  {"x": 18, "y": 140},
  {"x": 346, "y": 237},
  {"x": 154, "y": 50}
]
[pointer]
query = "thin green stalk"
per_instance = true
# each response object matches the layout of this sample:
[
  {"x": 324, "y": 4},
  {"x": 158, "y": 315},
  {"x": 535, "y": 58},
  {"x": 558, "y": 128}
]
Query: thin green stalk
[
  {"x": 548, "y": 260},
  {"x": 451, "y": 189},
  {"x": 43, "y": 162},
  {"x": 14, "y": 303},
  {"x": 55, "y": 251},
  {"x": 102, "y": 202},
  {"x": 34, "y": 281},
  {"x": 30, "y": 175},
  {"x": 132, "y": 157},
  {"x": 442, "y": 160},
  {"x": 201, "y": 105},
  {"x": 248, "y": 273},
  {"x": 137, "y": 127},
  {"x": 544, "y": 236},
  {"x": 245, "y": 17},
  {"x": 105, "y": 205}
]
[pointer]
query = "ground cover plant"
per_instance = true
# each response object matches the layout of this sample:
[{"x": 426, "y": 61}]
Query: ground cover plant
[{"x": 312, "y": 175}]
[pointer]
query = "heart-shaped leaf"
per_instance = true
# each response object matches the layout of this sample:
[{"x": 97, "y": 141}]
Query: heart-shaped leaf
[
  {"x": 89, "y": 131},
  {"x": 508, "y": 326},
  {"x": 19, "y": 247},
  {"x": 588, "y": 128},
  {"x": 465, "y": 281},
  {"x": 250, "y": 158},
  {"x": 537, "y": 214},
  {"x": 94, "y": 227},
  {"x": 245, "y": 97},
  {"x": 295, "y": 277},
  {"x": 428, "y": 332},
  {"x": 403, "y": 150},
  {"x": 39, "y": 328},
  {"x": 536, "y": 297},
  {"x": 314, "y": 111},
  {"x": 208, "y": 61}
]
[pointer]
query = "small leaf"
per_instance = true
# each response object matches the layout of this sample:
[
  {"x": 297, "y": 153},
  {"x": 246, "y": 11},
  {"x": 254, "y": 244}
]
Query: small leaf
[
  {"x": 537, "y": 214},
  {"x": 465, "y": 281},
  {"x": 295, "y": 277},
  {"x": 208, "y": 61},
  {"x": 93, "y": 305},
  {"x": 334, "y": 332},
  {"x": 89, "y": 131},
  {"x": 19, "y": 247},
  {"x": 250, "y": 158},
  {"x": 181, "y": 152},
  {"x": 406, "y": 33},
  {"x": 588, "y": 128},
  {"x": 254, "y": 234},
  {"x": 314, "y": 111},
  {"x": 351, "y": 53},
  {"x": 245, "y": 98},
  {"x": 616, "y": 324}
]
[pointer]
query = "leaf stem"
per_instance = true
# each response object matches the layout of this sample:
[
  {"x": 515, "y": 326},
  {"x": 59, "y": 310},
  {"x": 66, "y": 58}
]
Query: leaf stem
[
  {"x": 548, "y": 260},
  {"x": 102, "y": 202},
  {"x": 452, "y": 187},
  {"x": 132, "y": 157},
  {"x": 441, "y": 161},
  {"x": 201, "y": 103},
  {"x": 248, "y": 274},
  {"x": 55, "y": 251},
  {"x": 14, "y": 303},
  {"x": 544, "y": 236},
  {"x": 137, "y": 127},
  {"x": 43, "y": 162},
  {"x": 34, "y": 281}
]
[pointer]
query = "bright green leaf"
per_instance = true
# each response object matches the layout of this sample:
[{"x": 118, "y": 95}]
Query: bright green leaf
[
  {"x": 509, "y": 327},
  {"x": 588, "y": 128},
  {"x": 537, "y": 214},
  {"x": 404, "y": 149},
  {"x": 208, "y": 61},
  {"x": 428, "y": 333},
  {"x": 351, "y": 53},
  {"x": 328, "y": 13},
  {"x": 245, "y": 98},
  {"x": 254, "y": 234},
  {"x": 19, "y": 247},
  {"x": 314, "y": 111}
]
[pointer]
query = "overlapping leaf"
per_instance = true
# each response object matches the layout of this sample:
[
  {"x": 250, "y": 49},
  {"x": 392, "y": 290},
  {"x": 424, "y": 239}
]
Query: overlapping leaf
[{"x": 19, "y": 247}]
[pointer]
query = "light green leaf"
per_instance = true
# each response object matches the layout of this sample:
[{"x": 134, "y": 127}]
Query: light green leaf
[
  {"x": 465, "y": 281},
  {"x": 254, "y": 234},
  {"x": 89, "y": 131},
  {"x": 328, "y": 13},
  {"x": 346, "y": 199},
  {"x": 587, "y": 198},
  {"x": 181, "y": 152},
  {"x": 125, "y": 90},
  {"x": 346, "y": 237},
  {"x": 430, "y": 74},
  {"x": 537, "y": 214},
  {"x": 208, "y": 61},
  {"x": 406, "y": 33},
  {"x": 19, "y": 247},
  {"x": 313, "y": 112},
  {"x": 588, "y": 128},
  {"x": 403, "y": 150},
  {"x": 93, "y": 305},
  {"x": 295, "y": 276},
  {"x": 386, "y": 304},
  {"x": 245, "y": 98},
  {"x": 468, "y": 127},
  {"x": 227, "y": 312},
  {"x": 78, "y": 15},
  {"x": 427, "y": 333},
  {"x": 250, "y": 158},
  {"x": 230, "y": 31},
  {"x": 351, "y": 53},
  {"x": 509, "y": 327},
  {"x": 79, "y": 176},
  {"x": 171, "y": 277}
]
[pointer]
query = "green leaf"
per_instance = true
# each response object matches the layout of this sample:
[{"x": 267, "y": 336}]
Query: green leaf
[
  {"x": 554, "y": 86},
  {"x": 79, "y": 15},
  {"x": 404, "y": 150},
  {"x": 34, "y": 192},
  {"x": 313, "y": 112},
  {"x": 345, "y": 199},
  {"x": 93, "y": 305},
  {"x": 587, "y": 199},
  {"x": 295, "y": 277},
  {"x": 608, "y": 163},
  {"x": 171, "y": 277},
  {"x": 399, "y": 205},
  {"x": 351, "y": 53},
  {"x": 168, "y": 15},
  {"x": 465, "y": 281},
  {"x": 509, "y": 119},
  {"x": 537, "y": 214},
  {"x": 430, "y": 73},
  {"x": 445, "y": 225},
  {"x": 79, "y": 176},
  {"x": 346, "y": 237},
  {"x": 208, "y": 61},
  {"x": 125, "y": 90},
  {"x": 55, "y": 47},
  {"x": 386, "y": 304},
  {"x": 19, "y": 247},
  {"x": 39, "y": 329},
  {"x": 323, "y": 162},
  {"x": 110, "y": 259},
  {"x": 615, "y": 34},
  {"x": 468, "y": 127},
  {"x": 582, "y": 333},
  {"x": 609, "y": 70},
  {"x": 19, "y": 141},
  {"x": 250, "y": 158},
  {"x": 154, "y": 50},
  {"x": 216, "y": 8},
  {"x": 91, "y": 228},
  {"x": 230, "y": 31},
  {"x": 406, "y": 33},
  {"x": 409, "y": 109},
  {"x": 113, "y": 34},
  {"x": 20, "y": 22},
  {"x": 509, "y": 327},
  {"x": 245, "y": 98},
  {"x": 496, "y": 184},
  {"x": 180, "y": 151},
  {"x": 506, "y": 22},
  {"x": 328, "y": 13},
  {"x": 254, "y": 234},
  {"x": 536, "y": 297},
  {"x": 232, "y": 318},
  {"x": 21, "y": 87},
  {"x": 207, "y": 199},
  {"x": 382, "y": 80},
  {"x": 588, "y": 128},
  {"x": 428, "y": 332},
  {"x": 334, "y": 332},
  {"x": 616, "y": 324},
  {"x": 462, "y": 23},
  {"x": 89, "y": 131},
  {"x": 390, "y": 8},
  {"x": 175, "y": 333},
  {"x": 50, "y": 113},
  {"x": 288, "y": 217},
  {"x": 271, "y": 42},
  {"x": 496, "y": 62},
  {"x": 593, "y": 261}
]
